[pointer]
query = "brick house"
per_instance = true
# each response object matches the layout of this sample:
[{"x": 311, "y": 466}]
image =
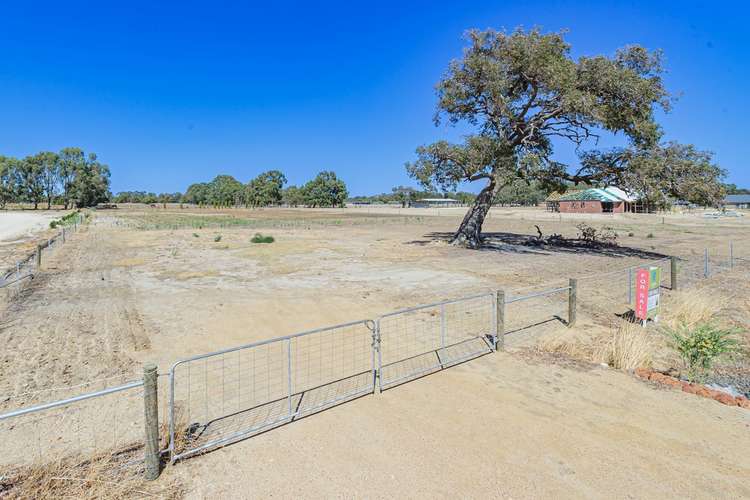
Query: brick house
[{"x": 609, "y": 200}]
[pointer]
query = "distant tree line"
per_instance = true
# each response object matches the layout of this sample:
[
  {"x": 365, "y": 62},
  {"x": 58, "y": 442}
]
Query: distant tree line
[
  {"x": 268, "y": 189},
  {"x": 144, "y": 197},
  {"x": 69, "y": 178},
  {"x": 405, "y": 196},
  {"x": 733, "y": 189}
]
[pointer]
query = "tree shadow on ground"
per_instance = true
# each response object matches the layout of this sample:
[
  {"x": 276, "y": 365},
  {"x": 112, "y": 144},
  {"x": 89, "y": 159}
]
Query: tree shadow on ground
[{"x": 527, "y": 244}]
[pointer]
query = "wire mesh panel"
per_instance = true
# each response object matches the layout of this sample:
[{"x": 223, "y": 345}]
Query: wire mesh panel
[
  {"x": 529, "y": 309},
  {"x": 108, "y": 424},
  {"x": 417, "y": 341},
  {"x": 221, "y": 397}
]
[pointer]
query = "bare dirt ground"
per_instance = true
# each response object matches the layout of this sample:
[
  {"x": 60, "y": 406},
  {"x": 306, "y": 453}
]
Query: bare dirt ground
[
  {"x": 504, "y": 425},
  {"x": 19, "y": 230}
]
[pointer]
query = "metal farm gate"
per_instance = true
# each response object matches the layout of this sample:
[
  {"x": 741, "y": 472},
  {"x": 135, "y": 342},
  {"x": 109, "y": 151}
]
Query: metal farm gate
[
  {"x": 420, "y": 340},
  {"x": 224, "y": 396}
]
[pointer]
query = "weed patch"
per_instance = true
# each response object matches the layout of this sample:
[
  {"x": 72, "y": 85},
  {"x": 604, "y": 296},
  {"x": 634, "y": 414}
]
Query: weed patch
[{"x": 259, "y": 238}]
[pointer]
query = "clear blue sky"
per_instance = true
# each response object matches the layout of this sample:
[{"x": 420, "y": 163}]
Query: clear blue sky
[{"x": 171, "y": 94}]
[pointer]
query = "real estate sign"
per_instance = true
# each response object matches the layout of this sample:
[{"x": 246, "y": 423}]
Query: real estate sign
[{"x": 647, "y": 288}]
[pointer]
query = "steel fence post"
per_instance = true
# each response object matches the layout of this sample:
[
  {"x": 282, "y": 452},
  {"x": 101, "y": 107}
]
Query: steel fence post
[
  {"x": 630, "y": 285},
  {"x": 442, "y": 326},
  {"x": 673, "y": 273},
  {"x": 151, "y": 419},
  {"x": 379, "y": 348},
  {"x": 289, "y": 373},
  {"x": 500, "y": 320},
  {"x": 572, "y": 301},
  {"x": 705, "y": 263}
]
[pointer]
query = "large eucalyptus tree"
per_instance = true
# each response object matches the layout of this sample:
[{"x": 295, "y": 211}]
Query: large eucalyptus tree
[{"x": 521, "y": 91}]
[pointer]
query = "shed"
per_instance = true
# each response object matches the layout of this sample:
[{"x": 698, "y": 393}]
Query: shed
[{"x": 740, "y": 201}]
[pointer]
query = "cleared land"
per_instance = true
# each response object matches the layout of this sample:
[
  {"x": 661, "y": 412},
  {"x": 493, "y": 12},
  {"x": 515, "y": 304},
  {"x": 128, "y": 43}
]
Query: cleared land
[{"x": 159, "y": 285}]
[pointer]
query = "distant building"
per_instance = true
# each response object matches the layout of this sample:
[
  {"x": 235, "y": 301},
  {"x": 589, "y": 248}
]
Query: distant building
[
  {"x": 435, "y": 202},
  {"x": 737, "y": 201},
  {"x": 609, "y": 200}
]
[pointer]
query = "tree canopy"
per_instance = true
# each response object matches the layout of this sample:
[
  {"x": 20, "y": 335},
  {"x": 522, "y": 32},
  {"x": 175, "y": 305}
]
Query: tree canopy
[
  {"x": 69, "y": 177},
  {"x": 325, "y": 190},
  {"x": 522, "y": 91},
  {"x": 265, "y": 189}
]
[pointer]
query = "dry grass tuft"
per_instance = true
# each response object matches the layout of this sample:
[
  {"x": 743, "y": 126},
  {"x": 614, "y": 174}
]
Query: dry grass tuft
[
  {"x": 630, "y": 346},
  {"x": 103, "y": 476}
]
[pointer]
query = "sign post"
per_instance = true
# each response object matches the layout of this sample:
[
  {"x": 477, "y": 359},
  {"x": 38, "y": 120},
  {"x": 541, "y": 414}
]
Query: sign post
[{"x": 647, "y": 290}]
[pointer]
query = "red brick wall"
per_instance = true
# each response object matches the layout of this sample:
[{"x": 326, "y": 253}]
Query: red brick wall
[
  {"x": 581, "y": 207},
  {"x": 588, "y": 207}
]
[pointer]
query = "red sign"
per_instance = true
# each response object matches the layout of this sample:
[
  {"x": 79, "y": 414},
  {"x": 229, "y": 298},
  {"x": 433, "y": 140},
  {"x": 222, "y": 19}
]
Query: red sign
[{"x": 642, "y": 279}]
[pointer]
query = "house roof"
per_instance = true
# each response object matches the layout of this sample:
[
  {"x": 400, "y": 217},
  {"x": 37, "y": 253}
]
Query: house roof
[
  {"x": 737, "y": 198},
  {"x": 449, "y": 200},
  {"x": 608, "y": 194}
]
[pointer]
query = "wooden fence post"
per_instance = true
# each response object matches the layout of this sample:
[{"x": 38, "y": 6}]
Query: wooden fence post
[
  {"x": 500, "y": 320},
  {"x": 673, "y": 273},
  {"x": 572, "y": 299},
  {"x": 151, "y": 419},
  {"x": 39, "y": 256}
]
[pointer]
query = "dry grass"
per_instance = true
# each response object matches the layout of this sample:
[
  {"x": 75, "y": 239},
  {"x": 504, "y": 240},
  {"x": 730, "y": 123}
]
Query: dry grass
[
  {"x": 625, "y": 346},
  {"x": 630, "y": 346},
  {"x": 104, "y": 476},
  {"x": 692, "y": 307}
]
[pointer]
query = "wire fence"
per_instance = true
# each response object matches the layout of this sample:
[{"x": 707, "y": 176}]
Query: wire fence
[
  {"x": 221, "y": 397},
  {"x": 106, "y": 422},
  {"x": 13, "y": 279}
]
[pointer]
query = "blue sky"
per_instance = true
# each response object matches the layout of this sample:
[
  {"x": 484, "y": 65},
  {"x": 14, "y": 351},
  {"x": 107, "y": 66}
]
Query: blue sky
[{"x": 176, "y": 93}]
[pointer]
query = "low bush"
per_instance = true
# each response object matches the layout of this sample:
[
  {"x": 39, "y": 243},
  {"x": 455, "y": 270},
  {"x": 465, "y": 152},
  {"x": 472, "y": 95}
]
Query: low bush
[
  {"x": 217, "y": 238},
  {"x": 700, "y": 346},
  {"x": 259, "y": 238}
]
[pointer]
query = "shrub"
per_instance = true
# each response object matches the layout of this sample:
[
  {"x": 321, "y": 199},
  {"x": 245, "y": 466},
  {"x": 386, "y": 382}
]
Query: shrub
[
  {"x": 650, "y": 235},
  {"x": 53, "y": 224},
  {"x": 700, "y": 346},
  {"x": 259, "y": 238},
  {"x": 196, "y": 235},
  {"x": 631, "y": 234},
  {"x": 592, "y": 235},
  {"x": 217, "y": 238}
]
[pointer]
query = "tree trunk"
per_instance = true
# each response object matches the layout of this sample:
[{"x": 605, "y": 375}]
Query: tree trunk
[{"x": 469, "y": 233}]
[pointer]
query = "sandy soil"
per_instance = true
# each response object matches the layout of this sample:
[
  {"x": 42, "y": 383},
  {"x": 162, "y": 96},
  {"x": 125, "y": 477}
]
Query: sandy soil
[
  {"x": 18, "y": 225},
  {"x": 502, "y": 426},
  {"x": 114, "y": 297},
  {"x": 19, "y": 232}
]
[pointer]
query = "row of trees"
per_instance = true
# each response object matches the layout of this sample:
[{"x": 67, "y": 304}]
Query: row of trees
[
  {"x": 405, "y": 196},
  {"x": 69, "y": 178},
  {"x": 144, "y": 197},
  {"x": 267, "y": 189}
]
